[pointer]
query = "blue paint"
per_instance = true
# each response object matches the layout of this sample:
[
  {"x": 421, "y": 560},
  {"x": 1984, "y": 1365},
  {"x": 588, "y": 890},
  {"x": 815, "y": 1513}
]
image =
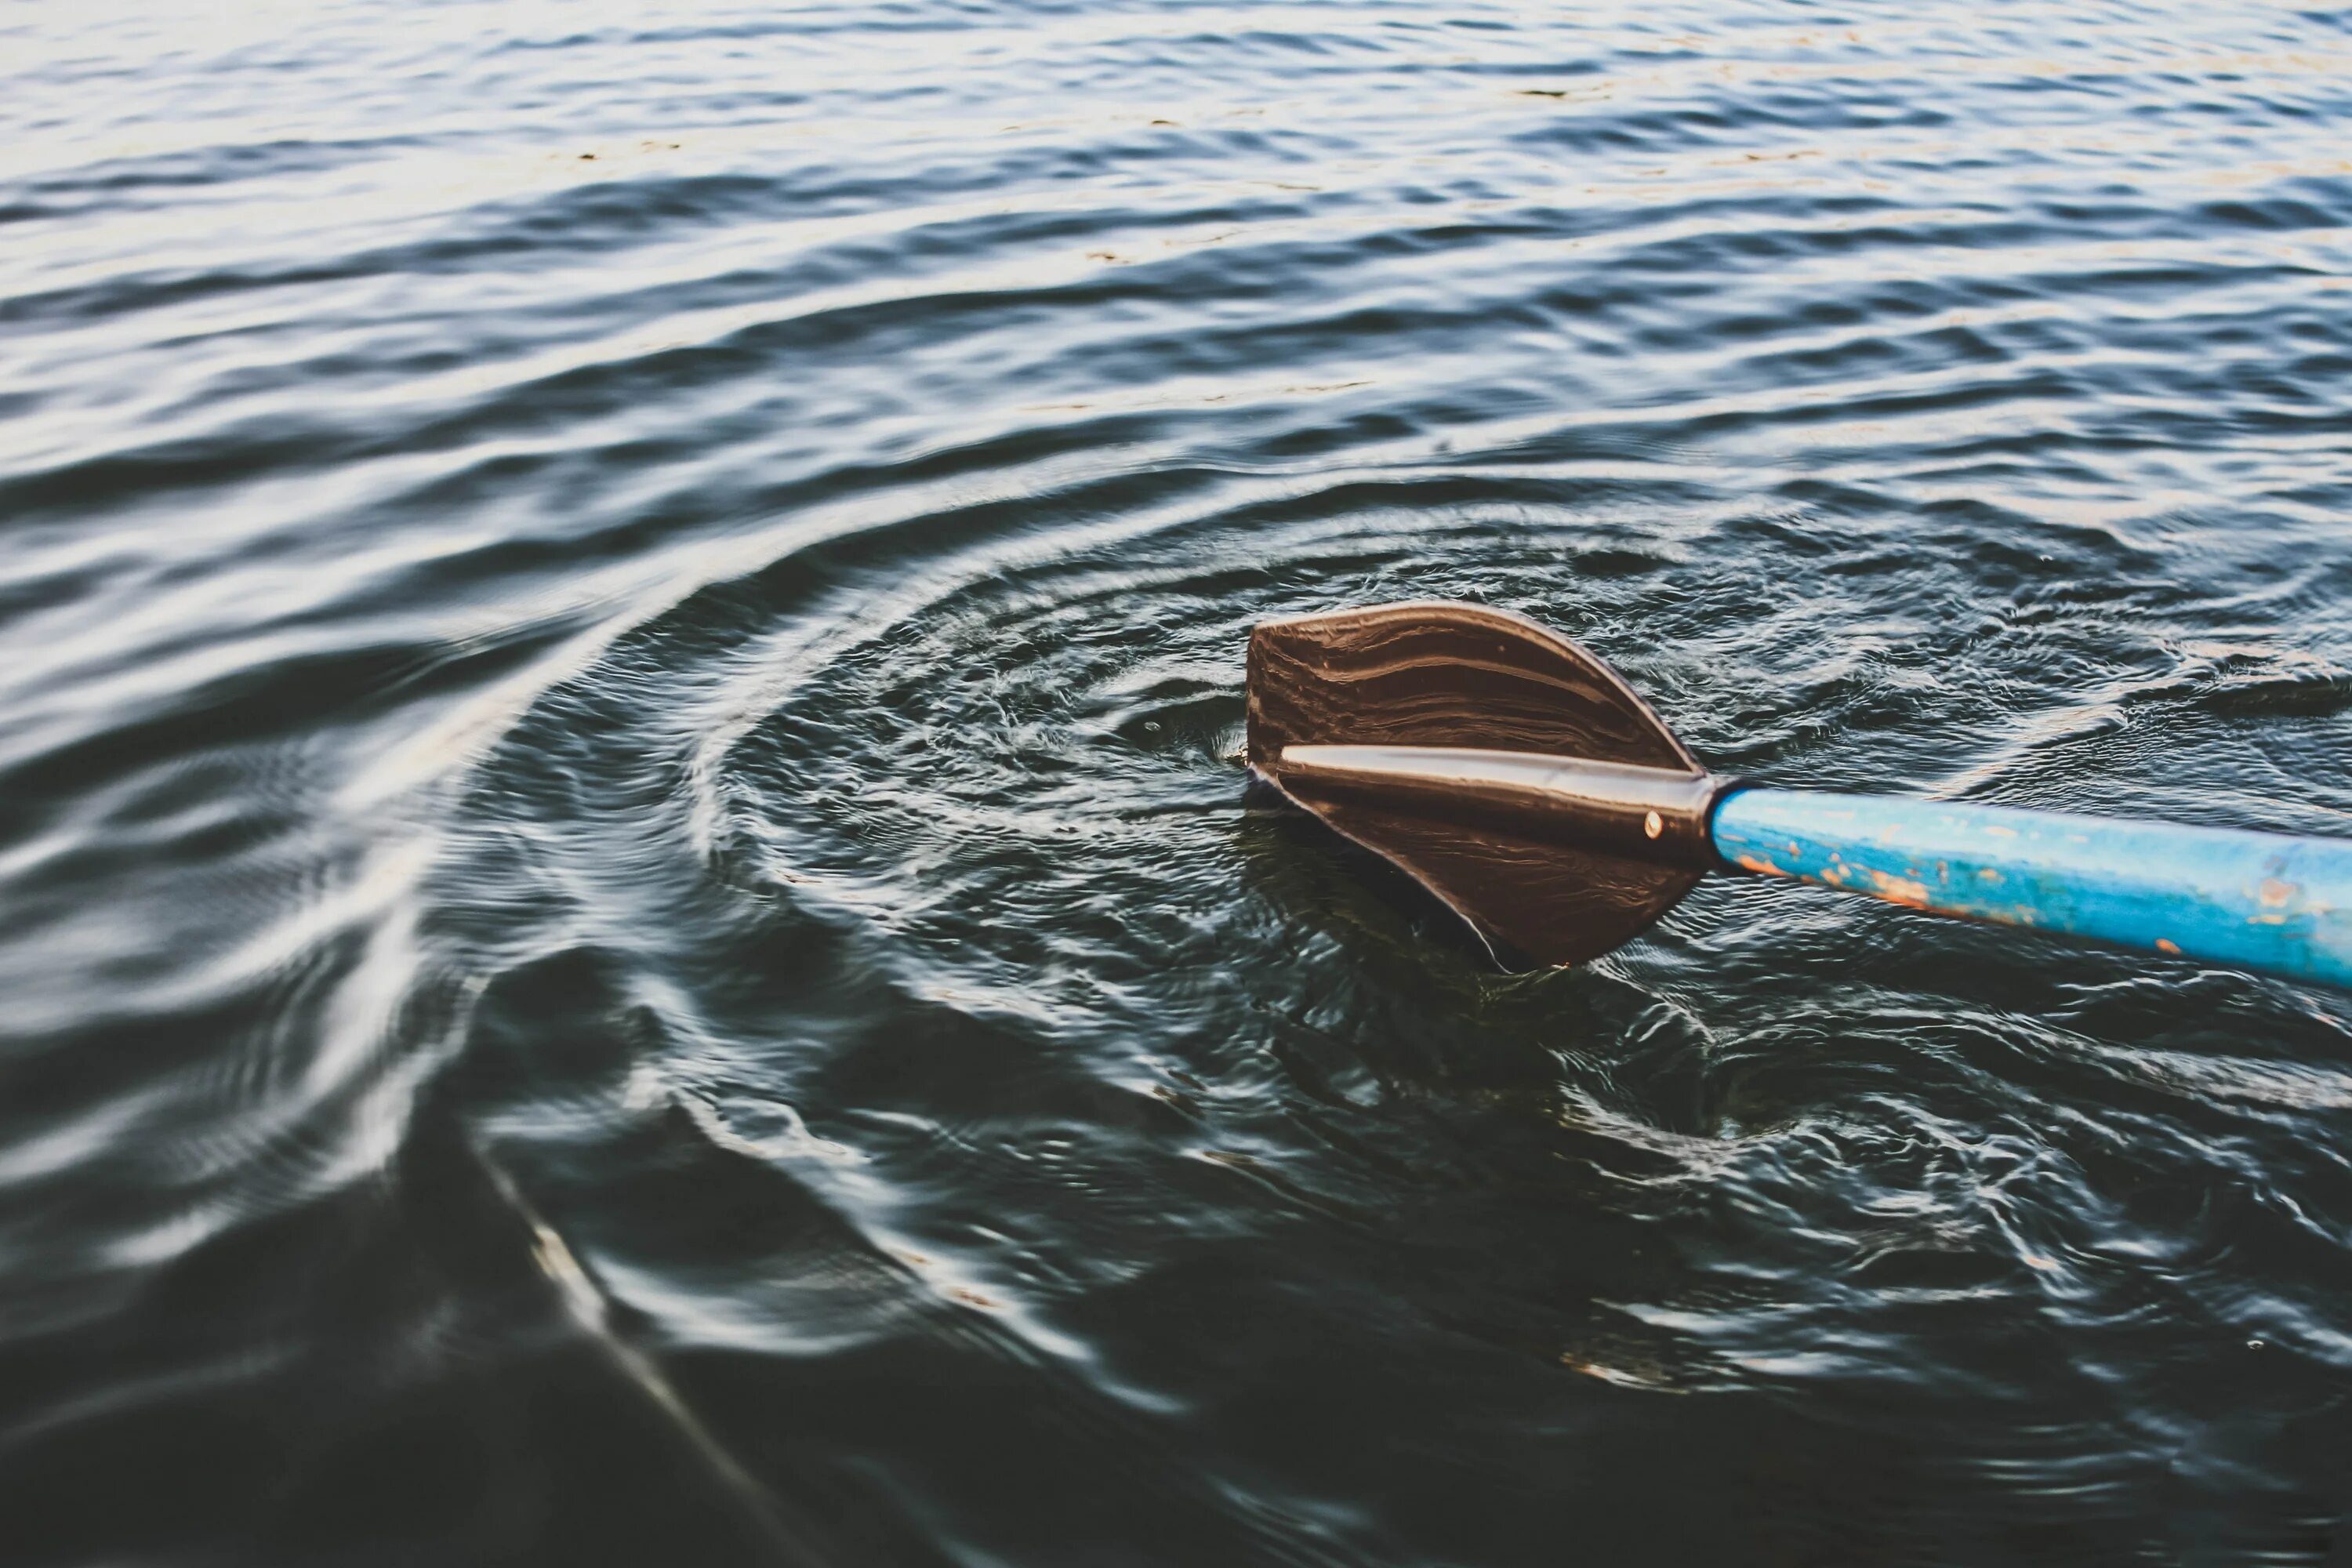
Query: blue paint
[{"x": 2255, "y": 901}]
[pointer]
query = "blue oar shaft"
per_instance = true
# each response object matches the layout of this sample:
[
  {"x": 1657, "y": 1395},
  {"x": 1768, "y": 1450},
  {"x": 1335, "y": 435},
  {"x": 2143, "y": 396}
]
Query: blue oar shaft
[{"x": 2257, "y": 900}]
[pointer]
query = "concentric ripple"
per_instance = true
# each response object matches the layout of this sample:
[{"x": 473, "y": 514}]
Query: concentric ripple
[{"x": 631, "y": 925}]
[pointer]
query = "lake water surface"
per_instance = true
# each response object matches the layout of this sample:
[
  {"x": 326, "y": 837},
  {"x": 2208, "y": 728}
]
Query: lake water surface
[{"x": 629, "y": 928}]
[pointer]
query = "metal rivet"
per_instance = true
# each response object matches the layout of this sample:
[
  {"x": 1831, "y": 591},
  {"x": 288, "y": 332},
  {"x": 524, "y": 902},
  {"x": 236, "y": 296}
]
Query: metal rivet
[{"x": 1654, "y": 825}]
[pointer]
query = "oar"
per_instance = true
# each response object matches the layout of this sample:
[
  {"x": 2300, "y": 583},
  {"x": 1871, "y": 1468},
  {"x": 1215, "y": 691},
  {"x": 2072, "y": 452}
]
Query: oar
[{"x": 1517, "y": 777}]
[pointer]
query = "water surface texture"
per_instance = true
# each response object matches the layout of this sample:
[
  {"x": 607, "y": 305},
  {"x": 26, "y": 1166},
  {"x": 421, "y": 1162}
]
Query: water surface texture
[{"x": 630, "y": 926}]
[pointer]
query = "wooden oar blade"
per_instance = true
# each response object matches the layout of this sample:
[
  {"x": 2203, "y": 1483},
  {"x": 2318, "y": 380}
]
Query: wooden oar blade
[
  {"x": 1437, "y": 674},
  {"x": 1464, "y": 676}
]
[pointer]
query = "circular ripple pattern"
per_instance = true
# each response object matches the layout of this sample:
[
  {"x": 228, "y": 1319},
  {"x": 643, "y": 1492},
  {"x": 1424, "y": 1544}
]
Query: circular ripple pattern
[{"x": 633, "y": 929}]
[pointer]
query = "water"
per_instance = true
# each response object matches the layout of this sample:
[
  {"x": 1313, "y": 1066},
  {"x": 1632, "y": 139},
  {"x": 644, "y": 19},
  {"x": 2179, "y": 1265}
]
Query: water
[{"x": 629, "y": 928}]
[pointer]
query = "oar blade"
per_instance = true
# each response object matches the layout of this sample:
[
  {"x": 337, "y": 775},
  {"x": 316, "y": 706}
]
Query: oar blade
[{"x": 1429, "y": 674}]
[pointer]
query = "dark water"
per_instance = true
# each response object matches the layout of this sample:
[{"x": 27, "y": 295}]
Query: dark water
[{"x": 629, "y": 928}]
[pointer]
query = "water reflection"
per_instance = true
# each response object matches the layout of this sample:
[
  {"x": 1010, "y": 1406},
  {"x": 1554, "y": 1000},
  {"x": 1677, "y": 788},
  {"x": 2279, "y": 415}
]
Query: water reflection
[{"x": 630, "y": 924}]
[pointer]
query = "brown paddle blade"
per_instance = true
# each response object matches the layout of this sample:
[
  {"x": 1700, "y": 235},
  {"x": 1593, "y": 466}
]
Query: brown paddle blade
[{"x": 1556, "y": 887}]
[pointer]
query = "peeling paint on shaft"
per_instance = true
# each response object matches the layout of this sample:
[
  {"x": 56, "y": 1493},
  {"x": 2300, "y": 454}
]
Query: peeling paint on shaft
[{"x": 2257, "y": 900}]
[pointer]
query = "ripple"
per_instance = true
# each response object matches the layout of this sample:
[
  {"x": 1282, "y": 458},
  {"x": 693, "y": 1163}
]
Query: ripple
[{"x": 630, "y": 899}]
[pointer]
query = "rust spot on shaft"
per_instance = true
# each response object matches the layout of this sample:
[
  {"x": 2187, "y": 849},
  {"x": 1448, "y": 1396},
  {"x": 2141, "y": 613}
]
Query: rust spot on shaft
[{"x": 1900, "y": 889}]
